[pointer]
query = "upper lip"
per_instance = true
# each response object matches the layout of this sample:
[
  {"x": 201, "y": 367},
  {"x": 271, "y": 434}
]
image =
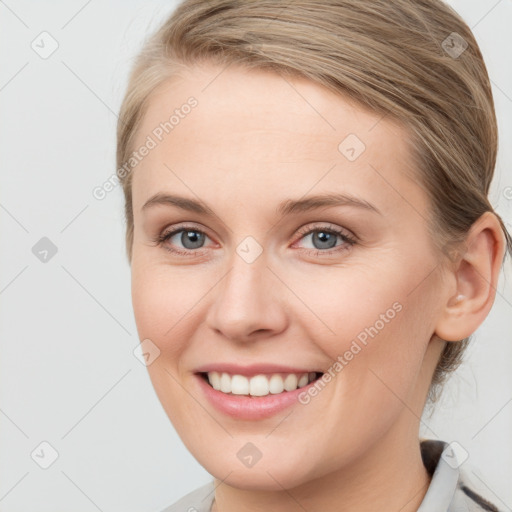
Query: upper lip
[{"x": 252, "y": 369}]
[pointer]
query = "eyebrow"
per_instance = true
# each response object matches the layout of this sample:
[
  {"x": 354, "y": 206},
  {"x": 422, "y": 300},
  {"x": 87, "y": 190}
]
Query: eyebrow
[{"x": 285, "y": 208}]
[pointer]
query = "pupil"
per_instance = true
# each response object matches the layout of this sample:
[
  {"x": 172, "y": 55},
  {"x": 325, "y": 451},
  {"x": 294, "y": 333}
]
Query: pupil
[
  {"x": 191, "y": 237},
  {"x": 323, "y": 238}
]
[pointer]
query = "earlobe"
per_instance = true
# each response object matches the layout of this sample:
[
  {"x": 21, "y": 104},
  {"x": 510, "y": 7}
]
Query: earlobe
[{"x": 477, "y": 276}]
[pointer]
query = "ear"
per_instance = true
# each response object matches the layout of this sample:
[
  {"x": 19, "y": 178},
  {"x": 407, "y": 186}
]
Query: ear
[{"x": 476, "y": 275}]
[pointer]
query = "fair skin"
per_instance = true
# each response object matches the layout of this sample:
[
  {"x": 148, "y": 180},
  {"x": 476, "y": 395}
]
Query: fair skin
[{"x": 252, "y": 142}]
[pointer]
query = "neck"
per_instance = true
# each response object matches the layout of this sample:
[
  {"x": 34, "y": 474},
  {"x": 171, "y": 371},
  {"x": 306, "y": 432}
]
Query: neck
[{"x": 389, "y": 476}]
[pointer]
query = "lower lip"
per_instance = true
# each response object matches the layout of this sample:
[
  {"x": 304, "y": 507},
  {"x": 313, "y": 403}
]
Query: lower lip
[{"x": 251, "y": 407}]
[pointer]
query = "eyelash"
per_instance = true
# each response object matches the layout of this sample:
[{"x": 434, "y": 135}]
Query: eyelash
[{"x": 163, "y": 237}]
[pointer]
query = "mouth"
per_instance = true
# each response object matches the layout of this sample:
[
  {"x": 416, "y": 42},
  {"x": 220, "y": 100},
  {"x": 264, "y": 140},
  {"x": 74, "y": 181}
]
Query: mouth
[{"x": 260, "y": 385}]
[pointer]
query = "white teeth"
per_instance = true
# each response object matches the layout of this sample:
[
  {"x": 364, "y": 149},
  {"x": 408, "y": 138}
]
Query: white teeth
[
  {"x": 276, "y": 384},
  {"x": 225, "y": 383},
  {"x": 303, "y": 381},
  {"x": 239, "y": 385},
  {"x": 259, "y": 385},
  {"x": 290, "y": 383}
]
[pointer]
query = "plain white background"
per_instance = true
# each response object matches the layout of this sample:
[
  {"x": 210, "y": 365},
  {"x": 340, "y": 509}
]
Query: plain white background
[{"x": 68, "y": 373}]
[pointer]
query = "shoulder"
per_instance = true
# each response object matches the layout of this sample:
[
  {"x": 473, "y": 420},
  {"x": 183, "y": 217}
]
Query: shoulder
[{"x": 199, "y": 500}]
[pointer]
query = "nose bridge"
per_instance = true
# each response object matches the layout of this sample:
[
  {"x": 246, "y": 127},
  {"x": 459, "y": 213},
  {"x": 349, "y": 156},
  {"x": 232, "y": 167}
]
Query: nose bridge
[
  {"x": 245, "y": 300},
  {"x": 245, "y": 284}
]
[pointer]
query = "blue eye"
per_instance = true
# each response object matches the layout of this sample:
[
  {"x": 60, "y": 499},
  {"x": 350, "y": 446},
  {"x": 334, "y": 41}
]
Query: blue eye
[
  {"x": 324, "y": 239},
  {"x": 190, "y": 237}
]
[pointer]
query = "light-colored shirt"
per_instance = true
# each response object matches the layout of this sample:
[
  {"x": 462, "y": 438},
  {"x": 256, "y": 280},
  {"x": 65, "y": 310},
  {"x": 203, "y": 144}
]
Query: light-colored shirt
[{"x": 449, "y": 489}]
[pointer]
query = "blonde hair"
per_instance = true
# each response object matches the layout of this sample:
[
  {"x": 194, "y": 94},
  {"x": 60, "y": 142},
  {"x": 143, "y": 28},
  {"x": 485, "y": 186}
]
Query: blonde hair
[{"x": 395, "y": 58}]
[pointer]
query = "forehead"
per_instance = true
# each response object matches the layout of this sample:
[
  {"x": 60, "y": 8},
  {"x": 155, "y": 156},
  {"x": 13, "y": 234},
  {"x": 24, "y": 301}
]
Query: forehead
[
  {"x": 259, "y": 130},
  {"x": 261, "y": 102}
]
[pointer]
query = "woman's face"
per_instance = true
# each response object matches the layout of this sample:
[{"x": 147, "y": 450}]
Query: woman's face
[{"x": 259, "y": 280}]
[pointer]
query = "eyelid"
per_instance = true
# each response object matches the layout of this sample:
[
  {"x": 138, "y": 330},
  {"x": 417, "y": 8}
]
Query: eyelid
[
  {"x": 181, "y": 227},
  {"x": 326, "y": 226},
  {"x": 169, "y": 233}
]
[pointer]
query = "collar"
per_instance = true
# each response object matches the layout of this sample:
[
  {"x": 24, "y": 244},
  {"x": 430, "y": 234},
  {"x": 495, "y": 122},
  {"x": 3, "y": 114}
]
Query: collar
[{"x": 448, "y": 490}]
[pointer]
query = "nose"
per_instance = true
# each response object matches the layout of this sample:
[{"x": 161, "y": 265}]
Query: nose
[{"x": 248, "y": 303}]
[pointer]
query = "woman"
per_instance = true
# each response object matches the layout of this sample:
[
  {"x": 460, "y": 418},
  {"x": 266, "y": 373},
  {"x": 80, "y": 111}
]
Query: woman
[{"x": 311, "y": 244}]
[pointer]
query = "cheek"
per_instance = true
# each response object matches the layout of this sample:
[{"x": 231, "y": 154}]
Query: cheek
[
  {"x": 149, "y": 299},
  {"x": 342, "y": 305},
  {"x": 371, "y": 327},
  {"x": 161, "y": 308},
  {"x": 162, "y": 298},
  {"x": 377, "y": 355}
]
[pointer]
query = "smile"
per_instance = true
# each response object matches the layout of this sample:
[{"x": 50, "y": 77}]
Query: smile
[{"x": 258, "y": 385}]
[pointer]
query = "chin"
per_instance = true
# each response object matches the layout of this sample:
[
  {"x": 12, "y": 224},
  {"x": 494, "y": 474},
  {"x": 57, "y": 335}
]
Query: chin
[{"x": 269, "y": 476}]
